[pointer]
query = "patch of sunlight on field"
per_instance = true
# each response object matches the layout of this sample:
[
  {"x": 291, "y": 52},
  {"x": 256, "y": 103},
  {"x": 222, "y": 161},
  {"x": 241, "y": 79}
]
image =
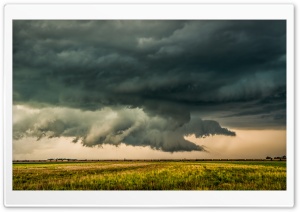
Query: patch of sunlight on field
[{"x": 139, "y": 175}]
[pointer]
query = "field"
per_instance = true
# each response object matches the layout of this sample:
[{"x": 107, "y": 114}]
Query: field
[{"x": 150, "y": 175}]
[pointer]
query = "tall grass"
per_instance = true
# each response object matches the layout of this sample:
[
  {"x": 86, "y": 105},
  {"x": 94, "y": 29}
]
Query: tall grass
[{"x": 140, "y": 175}]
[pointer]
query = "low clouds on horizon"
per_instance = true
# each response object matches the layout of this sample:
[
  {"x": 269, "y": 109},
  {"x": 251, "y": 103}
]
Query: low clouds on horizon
[
  {"x": 112, "y": 126},
  {"x": 160, "y": 78}
]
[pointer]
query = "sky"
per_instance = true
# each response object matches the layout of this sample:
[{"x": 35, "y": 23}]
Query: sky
[{"x": 114, "y": 89}]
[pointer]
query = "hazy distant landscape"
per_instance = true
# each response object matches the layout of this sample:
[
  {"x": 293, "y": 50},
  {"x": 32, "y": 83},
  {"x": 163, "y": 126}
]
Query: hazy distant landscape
[{"x": 150, "y": 175}]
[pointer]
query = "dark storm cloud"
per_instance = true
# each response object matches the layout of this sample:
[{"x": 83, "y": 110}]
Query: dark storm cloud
[
  {"x": 112, "y": 126},
  {"x": 170, "y": 69}
]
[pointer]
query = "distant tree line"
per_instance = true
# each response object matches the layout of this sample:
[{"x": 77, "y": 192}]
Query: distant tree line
[
  {"x": 61, "y": 159},
  {"x": 276, "y": 158}
]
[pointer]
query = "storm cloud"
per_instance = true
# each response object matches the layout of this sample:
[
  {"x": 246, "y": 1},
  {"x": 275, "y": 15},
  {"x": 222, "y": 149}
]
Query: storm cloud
[
  {"x": 160, "y": 77},
  {"x": 111, "y": 126}
]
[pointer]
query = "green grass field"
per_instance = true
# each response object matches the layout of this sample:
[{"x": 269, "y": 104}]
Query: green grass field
[{"x": 150, "y": 175}]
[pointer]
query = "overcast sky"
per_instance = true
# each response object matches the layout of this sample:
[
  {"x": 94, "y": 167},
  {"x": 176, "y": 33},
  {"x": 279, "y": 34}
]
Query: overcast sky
[{"x": 147, "y": 84}]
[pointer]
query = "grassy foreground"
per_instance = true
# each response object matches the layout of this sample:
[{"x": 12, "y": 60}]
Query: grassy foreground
[{"x": 150, "y": 175}]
